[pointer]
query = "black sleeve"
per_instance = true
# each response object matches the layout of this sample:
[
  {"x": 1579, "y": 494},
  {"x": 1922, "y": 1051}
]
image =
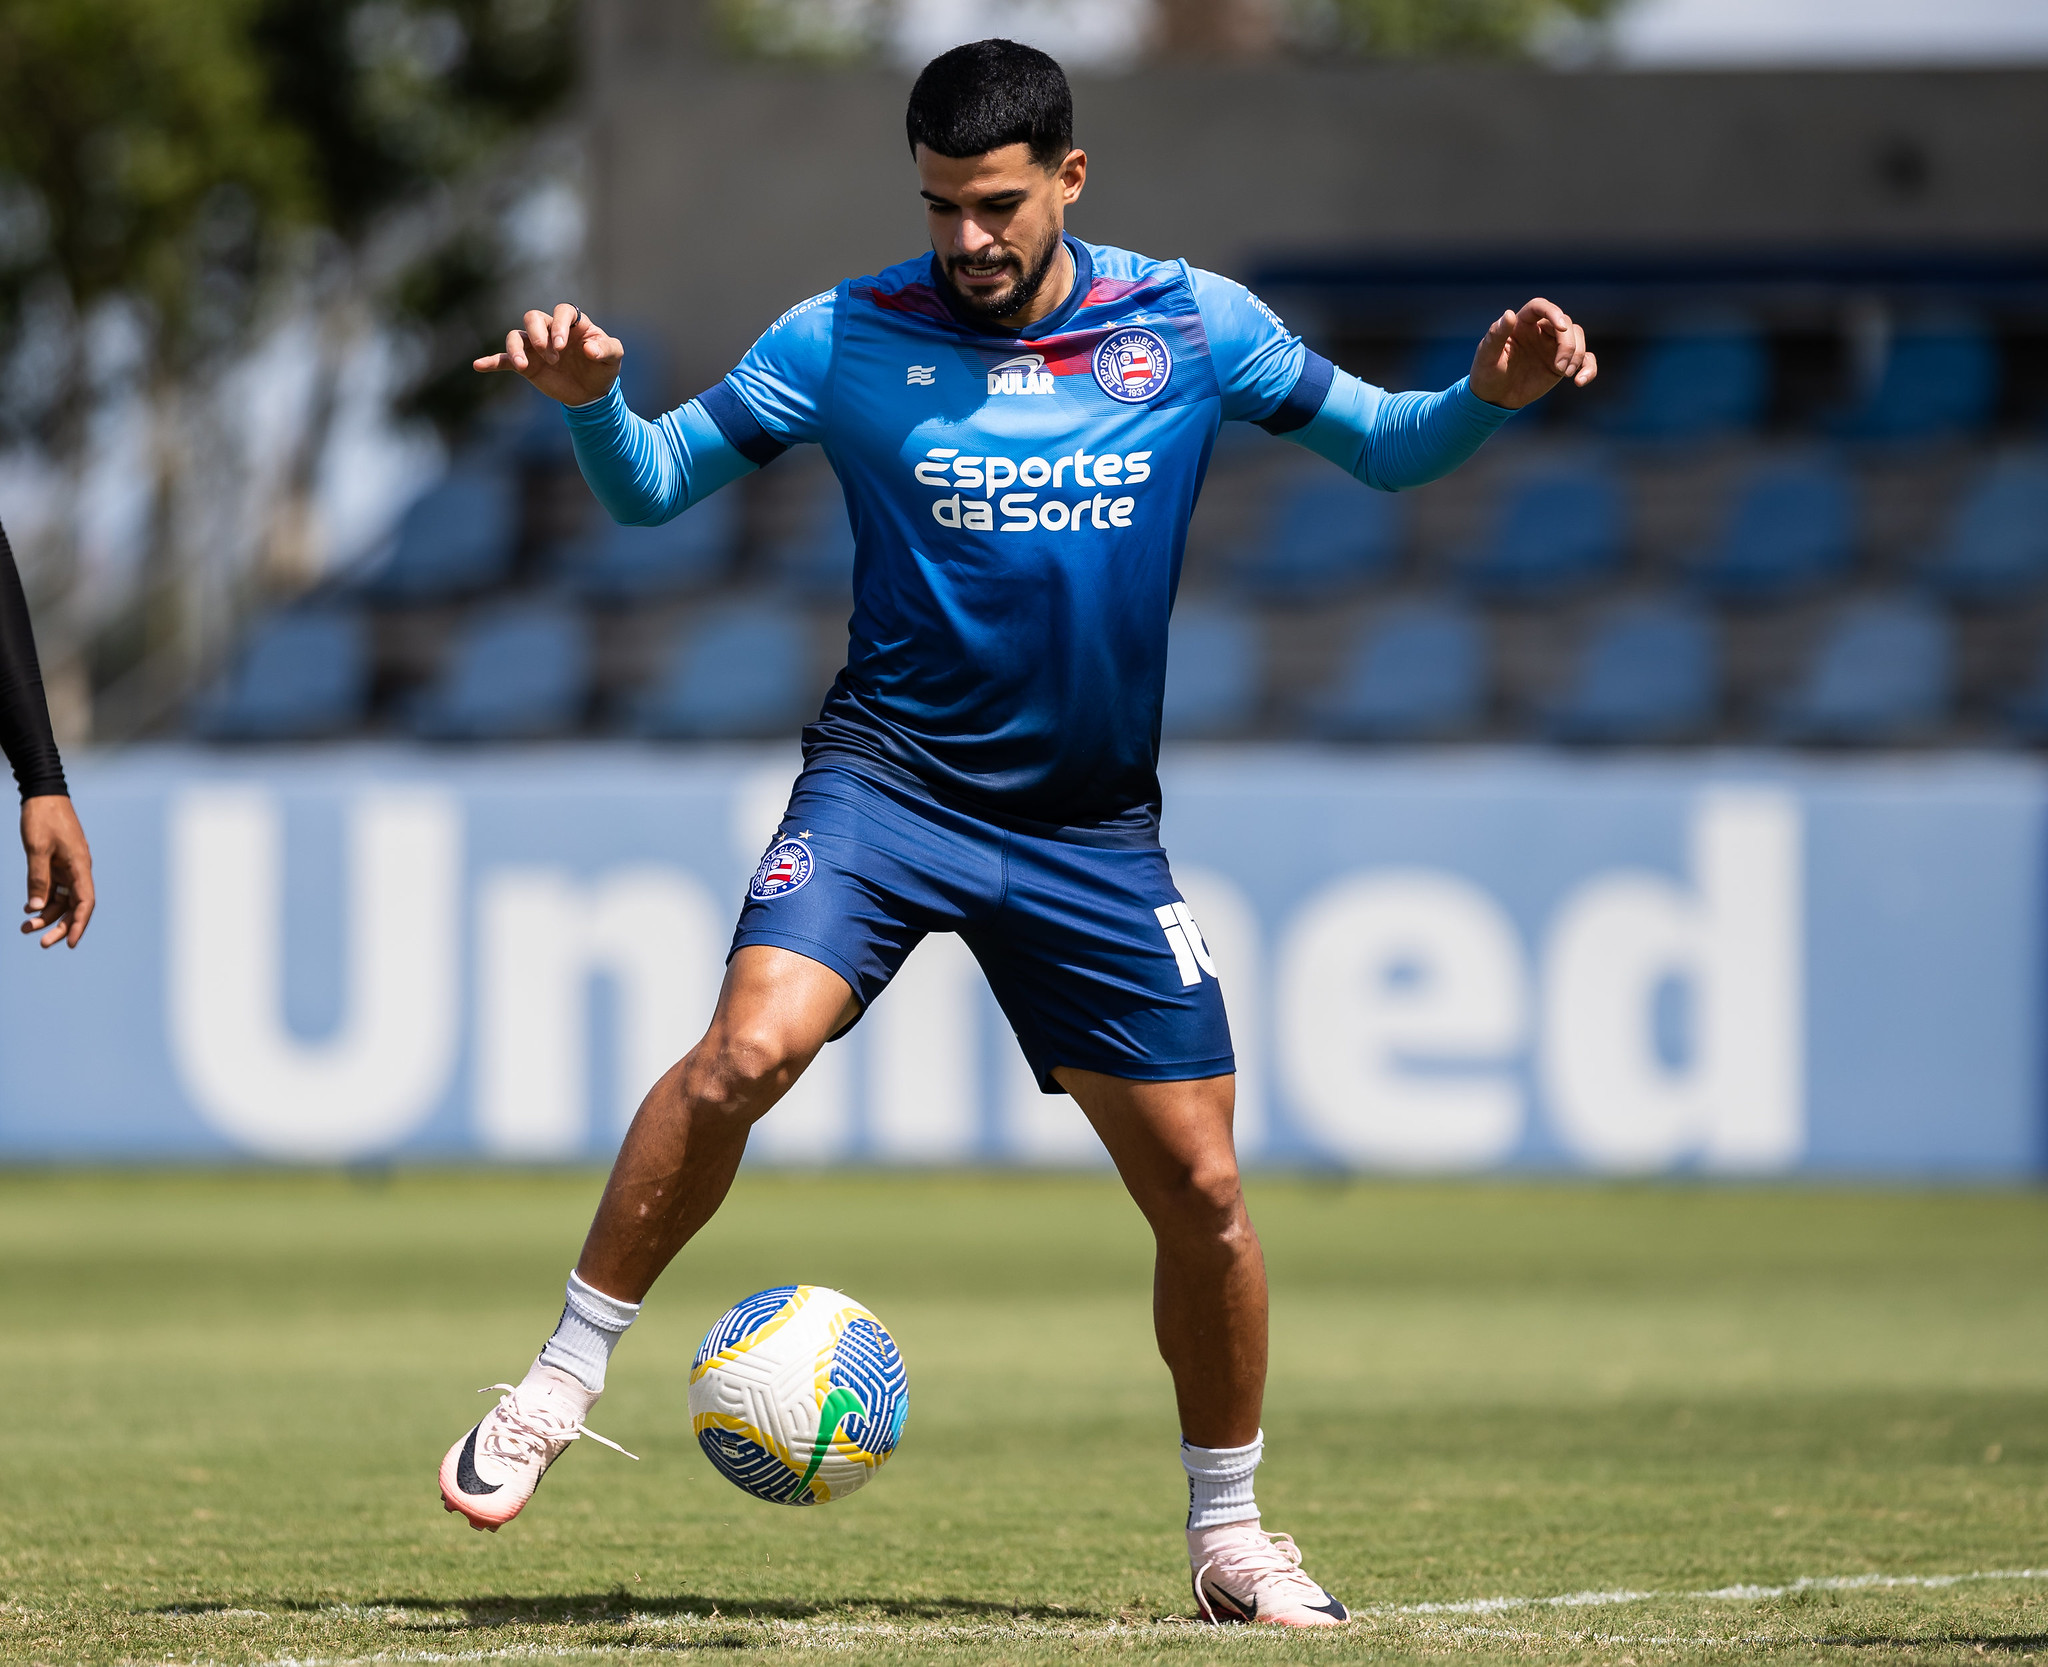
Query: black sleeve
[{"x": 24, "y": 715}]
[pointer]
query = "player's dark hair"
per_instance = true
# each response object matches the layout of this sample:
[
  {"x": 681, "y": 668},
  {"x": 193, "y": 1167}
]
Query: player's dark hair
[{"x": 988, "y": 94}]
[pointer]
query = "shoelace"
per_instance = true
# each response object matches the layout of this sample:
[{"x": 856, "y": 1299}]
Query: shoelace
[
  {"x": 520, "y": 1434},
  {"x": 1259, "y": 1556}
]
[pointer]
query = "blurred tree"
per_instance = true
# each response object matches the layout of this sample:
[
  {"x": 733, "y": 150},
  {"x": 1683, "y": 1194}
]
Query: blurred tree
[
  {"x": 395, "y": 97},
  {"x": 1218, "y": 28},
  {"x": 170, "y": 159},
  {"x": 139, "y": 156},
  {"x": 853, "y": 29},
  {"x": 1429, "y": 28},
  {"x": 821, "y": 30}
]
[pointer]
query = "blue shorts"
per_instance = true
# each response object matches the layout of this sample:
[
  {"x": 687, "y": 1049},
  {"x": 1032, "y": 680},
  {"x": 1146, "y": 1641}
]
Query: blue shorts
[{"x": 1091, "y": 953}]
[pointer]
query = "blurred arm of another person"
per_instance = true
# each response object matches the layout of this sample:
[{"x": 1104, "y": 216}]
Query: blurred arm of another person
[{"x": 60, "y": 892}]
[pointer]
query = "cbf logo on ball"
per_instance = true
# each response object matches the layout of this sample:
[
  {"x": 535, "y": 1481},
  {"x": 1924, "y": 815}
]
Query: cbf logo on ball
[
  {"x": 787, "y": 866},
  {"x": 1132, "y": 365}
]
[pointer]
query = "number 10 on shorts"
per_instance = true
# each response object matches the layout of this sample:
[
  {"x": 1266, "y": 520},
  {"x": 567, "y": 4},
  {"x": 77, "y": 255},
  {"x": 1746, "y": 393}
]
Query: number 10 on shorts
[{"x": 1184, "y": 938}]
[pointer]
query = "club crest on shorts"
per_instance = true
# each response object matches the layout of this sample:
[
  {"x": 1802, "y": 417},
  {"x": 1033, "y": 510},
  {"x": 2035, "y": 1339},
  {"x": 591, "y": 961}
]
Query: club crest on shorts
[
  {"x": 1132, "y": 365},
  {"x": 784, "y": 869}
]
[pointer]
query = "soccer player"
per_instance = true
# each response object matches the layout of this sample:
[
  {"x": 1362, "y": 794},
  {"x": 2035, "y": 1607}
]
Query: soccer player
[
  {"x": 1020, "y": 422},
  {"x": 60, "y": 895}
]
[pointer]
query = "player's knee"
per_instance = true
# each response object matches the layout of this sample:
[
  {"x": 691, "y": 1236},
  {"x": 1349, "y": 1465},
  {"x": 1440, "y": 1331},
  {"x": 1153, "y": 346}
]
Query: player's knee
[
  {"x": 739, "y": 1074},
  {"x": 1204, "y": 1209}
]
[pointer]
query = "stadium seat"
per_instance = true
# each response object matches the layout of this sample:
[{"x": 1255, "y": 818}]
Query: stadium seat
[
  {"x": 1327, "y": 537},
  {"x": 1880, "y": 674},
  {"x": 644, "y": 373},
  {"x": 1213, "y": 673},
  {"x": 1442, "y": 355},
  {"x": 457, "y": 538},
  {"x": 1698, "y": 378},
  {"x": 300, "y": 676},
  {"x": 1651, "y": 672},
  {"x": 1417, "y": 672},
  {"x": 527, "y": 428},
  {"x": 515, "y": 672},
  {"x": 1555, "y": 534},
  {"x": 817, "y": 564},
  {"x": 2025, "y": 714},
  {"x": 743, "y": 670},
  {"x": 1940, "y": 377},
  {"x": 619, "y": 565},
  {"x": 1995, "y": 549},
  {"x": 1790, "y": 531}
]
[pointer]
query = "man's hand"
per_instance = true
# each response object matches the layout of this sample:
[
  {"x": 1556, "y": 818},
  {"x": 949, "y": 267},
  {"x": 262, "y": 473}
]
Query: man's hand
[
  {"x": 1528, "y": 353},
  {"x": 565, "y": 355},
  {"x": 60, "y": 896}
]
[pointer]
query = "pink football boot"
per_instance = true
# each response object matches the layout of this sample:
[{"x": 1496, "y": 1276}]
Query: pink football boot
[
  {"x": 491, "y": 1473},
  {"x": 1242, "y": 1573}
]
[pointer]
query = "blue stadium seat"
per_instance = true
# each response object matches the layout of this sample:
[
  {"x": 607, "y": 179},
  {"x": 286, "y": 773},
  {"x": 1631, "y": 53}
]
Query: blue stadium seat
[
  {"x": 817, "y": 564},
  {"x": 1442, "y": 354},
  {"x": 1651, "y": 672},
  {"x": 1213, "y": 673},
  {"x": 1940, "y": 377},
  {"x": 2025, "y": 714},
  {"x": 1880, "y": 674},
  {"x": 300, "y": 676},
  {"x": 618, "y": 565},
  {"x": 1699, "y": 377},
  {"x": 742, "y": 670},
  {"x": 644, "y": 376},
  {"x": 1790, "y": 532},
  {"x": 1327, "y": 537},
  {"x": 457, "y": 538},
  {"x": 1417, "y": 672},
  {"x": 1995, "y": 549},
  {"x": 527, "y": 428},
  {"x": 1555, "y": 534},
  {"x": 515, "y": 672}
]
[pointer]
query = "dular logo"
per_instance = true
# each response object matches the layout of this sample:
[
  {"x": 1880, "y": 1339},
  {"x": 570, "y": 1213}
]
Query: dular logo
[{"x": 1025, "y": 374}]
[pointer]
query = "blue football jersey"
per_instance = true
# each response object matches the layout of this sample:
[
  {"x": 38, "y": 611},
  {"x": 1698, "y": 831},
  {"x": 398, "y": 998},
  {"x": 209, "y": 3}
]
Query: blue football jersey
[{"x": 1020, "y": 505}]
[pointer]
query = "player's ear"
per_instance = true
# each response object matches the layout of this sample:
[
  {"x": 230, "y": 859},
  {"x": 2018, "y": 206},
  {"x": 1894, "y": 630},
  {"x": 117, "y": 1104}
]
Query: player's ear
[{"x": 1073, "y": 175}]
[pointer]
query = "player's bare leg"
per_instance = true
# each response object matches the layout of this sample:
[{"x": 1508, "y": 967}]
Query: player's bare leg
[
  {"x": 775, "y": 1011},
  {"x": 1172, "y": 1143}
]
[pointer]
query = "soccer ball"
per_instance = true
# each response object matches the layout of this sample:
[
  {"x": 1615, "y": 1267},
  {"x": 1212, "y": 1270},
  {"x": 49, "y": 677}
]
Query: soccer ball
[{"x": 798, "y": 1394}]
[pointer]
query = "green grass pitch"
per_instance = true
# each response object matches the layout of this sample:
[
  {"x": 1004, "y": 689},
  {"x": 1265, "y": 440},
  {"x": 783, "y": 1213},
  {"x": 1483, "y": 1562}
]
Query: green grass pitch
[{"x": 227, "y": 1394}]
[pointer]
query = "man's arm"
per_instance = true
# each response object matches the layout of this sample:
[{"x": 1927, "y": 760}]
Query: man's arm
[
  {"x": 1389, "y": 441},
  {"x": 1394, "y": 441},
  {"x": 645, "y": 472},
  {"x": 60, "y": 889}
]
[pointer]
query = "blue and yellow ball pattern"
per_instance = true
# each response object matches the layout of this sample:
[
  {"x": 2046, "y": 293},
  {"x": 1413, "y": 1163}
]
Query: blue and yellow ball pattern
[{"x": 798, "y": 1394}]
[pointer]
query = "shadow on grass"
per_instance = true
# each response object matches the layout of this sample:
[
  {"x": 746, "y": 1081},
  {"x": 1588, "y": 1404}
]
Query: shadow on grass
[{"x": 622, "y": 1608}]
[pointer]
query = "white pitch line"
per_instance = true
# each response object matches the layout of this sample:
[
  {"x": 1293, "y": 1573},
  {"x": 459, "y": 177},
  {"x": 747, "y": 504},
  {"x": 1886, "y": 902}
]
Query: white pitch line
[
  {"x": 1720, "y": 1594},
  {"x": 839, "y": 1634}
]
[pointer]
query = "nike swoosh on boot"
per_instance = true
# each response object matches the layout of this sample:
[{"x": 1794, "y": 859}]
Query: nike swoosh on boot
[{"x": 466, "y": 1477}]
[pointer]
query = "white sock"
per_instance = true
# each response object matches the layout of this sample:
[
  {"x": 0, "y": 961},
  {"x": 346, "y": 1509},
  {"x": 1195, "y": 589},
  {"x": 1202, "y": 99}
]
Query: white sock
[
  {"x": 1220, "y": 1482},
  {"x": 590, "y": 1328}
]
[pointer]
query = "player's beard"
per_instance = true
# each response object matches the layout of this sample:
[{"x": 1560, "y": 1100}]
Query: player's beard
[{"x": 1023, "y": 290}]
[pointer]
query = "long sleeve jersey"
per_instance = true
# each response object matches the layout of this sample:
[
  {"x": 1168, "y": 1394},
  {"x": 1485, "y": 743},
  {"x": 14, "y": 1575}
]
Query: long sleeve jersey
[
  {"x": 24, "y": 714},
  {"x": 1020, "y": 505}
]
